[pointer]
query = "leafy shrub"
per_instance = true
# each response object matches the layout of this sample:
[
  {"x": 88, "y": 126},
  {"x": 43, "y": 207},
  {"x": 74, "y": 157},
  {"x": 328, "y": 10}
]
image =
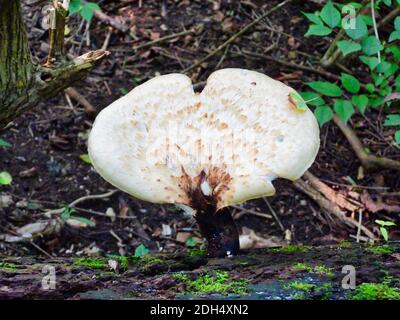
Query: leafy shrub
[
  {"x": 376, "y": 79},
  {"x": 85, "y": 9}
]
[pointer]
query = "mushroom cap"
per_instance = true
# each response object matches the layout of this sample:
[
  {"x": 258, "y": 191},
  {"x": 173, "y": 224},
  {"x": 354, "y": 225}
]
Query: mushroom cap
[{"x": 162, "y": 141}]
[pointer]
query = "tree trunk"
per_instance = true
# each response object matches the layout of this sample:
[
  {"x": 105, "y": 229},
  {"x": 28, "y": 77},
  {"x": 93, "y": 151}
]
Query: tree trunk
[
  {"x": 22, "y": 83},
  {"x": 292, "y": 272},
  {"x": 15, "y": 59}
]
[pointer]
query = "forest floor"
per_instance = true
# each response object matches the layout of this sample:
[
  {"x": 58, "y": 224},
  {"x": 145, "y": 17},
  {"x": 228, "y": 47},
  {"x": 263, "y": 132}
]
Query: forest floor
[{"x": 47, "y": 143}]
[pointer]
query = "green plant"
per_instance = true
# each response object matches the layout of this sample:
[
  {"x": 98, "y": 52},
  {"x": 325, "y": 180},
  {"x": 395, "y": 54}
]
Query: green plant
[
  {"x": 141, "y": 250},
  {"x": 93, "y": 263},
  {"x": 5, "y": 178},
  {"x": 190, "y": 242},
  {"x": 383, "y": 224},
  {"x": 85, "y": 158},
  {"x": 376, "y": 79},
  {"x": 85, "y": 9},
  {"x": 318, "y": 269},
  {"x": 376, "y": 291},
  {"x": 381, "y": 250},
  {"x": 67, "y": 214},
  {"x": 290, "y": 249},
  {"x": 216, "y": 282},
  {"x": 4, "y": 144}
]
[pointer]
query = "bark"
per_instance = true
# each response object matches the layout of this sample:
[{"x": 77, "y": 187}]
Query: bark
[
  {"x": 259, "y": 273},
  {"x": 24, "y": 84}
]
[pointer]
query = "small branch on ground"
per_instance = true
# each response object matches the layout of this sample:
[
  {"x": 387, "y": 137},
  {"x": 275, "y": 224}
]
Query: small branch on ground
[
  {"x": 330, "y": 207},
  {"x": 368, "y": 161},
  {"x": 74, "y": 94},
  {"x": 168, "y": 37}
]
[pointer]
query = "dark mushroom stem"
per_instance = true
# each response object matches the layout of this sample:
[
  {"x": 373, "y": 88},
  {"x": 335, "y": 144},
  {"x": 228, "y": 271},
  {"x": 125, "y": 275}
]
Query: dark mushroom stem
[
  {"x": 217, "y": 226},
  {"x": 220, "y": 231}
]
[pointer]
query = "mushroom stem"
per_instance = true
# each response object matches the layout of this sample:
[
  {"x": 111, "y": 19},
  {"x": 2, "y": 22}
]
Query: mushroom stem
[{"x": 220, "y": 231}]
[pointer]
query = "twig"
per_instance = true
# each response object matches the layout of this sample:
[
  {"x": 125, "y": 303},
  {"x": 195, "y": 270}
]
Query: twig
[
  {"x": 368, "y": 161},
  {"x": 330, "y": 207},
  {"x": 107, "y": 39},
  {"x": 79, "y": 200},
  {"x": 274, "y": 214},
  {"x": 250, "y": 211},
  {"x": 166, "y": 38},
  {"x": 236, "y": 35},
  {"x": 41, "y": 250},
  {"x": 74, "y": 94},
  {"x": 359, "y": 226},
  {"x": 323, "y": 73},
  {"x": 329, "y": 193},
  {"x": 375, "y": 27}
]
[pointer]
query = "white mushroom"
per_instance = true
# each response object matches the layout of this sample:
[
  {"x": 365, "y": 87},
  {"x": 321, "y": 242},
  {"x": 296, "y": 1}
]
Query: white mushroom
[{"x": 163, "y": 143}]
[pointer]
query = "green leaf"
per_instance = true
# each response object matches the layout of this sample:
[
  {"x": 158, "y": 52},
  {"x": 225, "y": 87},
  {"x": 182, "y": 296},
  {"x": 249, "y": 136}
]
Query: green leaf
[
  {"x": 395, "y": 51},
  {"x": 378, "y": 79},
  {"x": 384, "y": 223},
  {"x": 370, "y": 87},
  {"x": 75, "y": 6},
  {"x": 85, "y": 158},
  {"x": 360, "y": 29},
  {"x": 397, "y": 81},
  {"x": 383, "y": 66},
  {"x": 88, "y": 10},
  {"x": 313, "y": 18},
  {"x": 397, "y": 23},
  {"x": 368, "y": 20},
  {"x": 141, "y": 250},
  {"x": 350, "y": 83},
  {"x": 391, "y": 70},
  {"x": 395, "y": 35},
  {"x": 190, "y": 242},
  {"x": 5, "y": 178},
  {"x": 4, "y": 144},
  {"x": 83, "y": 220},
  {"x": 392, "y": 120},
  {"x": 384, "y": 233},
  {"x": 347, "y": 47},
  {"x": 330, "y": 15},
  {"x": 371, "y": 45},
  {"x": 397, "y": 136},
  {"x": 323, "y": 114},
  {"x": 326, "y": 88},
  {"x": 361, "y": 102},
  {"x": 297, "y": 101},
  {"x": 371, "y": 62},
  {"x": 66, "y": 214},
  {"x": 376, "y": 102},
  {"x": 318, "y": 30},
  {"x": 344, "y": 109},
  {"x": 312, "y": 98}
]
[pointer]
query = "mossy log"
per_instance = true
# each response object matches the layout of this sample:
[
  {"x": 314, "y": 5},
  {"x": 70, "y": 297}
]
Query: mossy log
[{"x": 293, "y": 272}]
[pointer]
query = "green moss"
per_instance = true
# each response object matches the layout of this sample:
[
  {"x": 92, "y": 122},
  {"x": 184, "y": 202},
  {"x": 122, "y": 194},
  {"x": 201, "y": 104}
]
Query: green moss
[
  {"x": 122, "y": 260},
  {"x": 146, "y": 263},
  {"x": 6, "y": 266},
  {"x": 217, "y": 282},
  {"x": 196, "y": 253},
  {"x": 93, "y": 263},
  {"x": 344, "y": 244},
  {"x": 302, "y": 286},
  {"x": 376, "y": 291},
  {"x": 318, "y": 269},
  {"x": 381, "y": 250},
  {"x": 291, "y": 249}
]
